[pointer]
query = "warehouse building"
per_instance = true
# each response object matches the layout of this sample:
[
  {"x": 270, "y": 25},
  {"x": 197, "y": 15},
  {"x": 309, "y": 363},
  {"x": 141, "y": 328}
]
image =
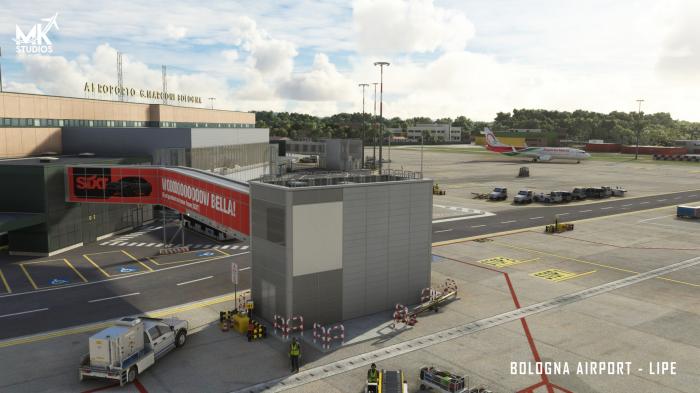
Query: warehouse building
[{"x": 339, "y": 246}]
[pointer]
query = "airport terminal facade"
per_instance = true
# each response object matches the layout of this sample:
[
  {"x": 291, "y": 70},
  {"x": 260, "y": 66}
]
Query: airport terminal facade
[{"x": 41, "y": 135}]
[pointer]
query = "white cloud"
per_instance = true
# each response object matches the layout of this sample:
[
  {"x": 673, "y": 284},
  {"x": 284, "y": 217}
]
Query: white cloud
[
  {"x": 405, "y": 26},
  {"x": 253, "y": 55},
  {"x": 679, "y": 61},
  {"x": 322, "y": 83}
]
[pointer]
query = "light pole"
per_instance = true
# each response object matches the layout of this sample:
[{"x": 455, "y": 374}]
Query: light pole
[
  {"x": 381, "y": 65},
  {"x": 374, "y": 128},
  {"x": 363, "y": 85},
  {"x": 639, "y": 127},
  {"x": 421, "y": 155}
]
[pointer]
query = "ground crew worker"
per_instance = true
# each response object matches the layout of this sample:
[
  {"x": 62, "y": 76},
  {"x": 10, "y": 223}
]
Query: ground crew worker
[
  {"x": 294, "y": 354},
  {"x": 373, "y": 375},
  {"x": 251, "y": 329}
]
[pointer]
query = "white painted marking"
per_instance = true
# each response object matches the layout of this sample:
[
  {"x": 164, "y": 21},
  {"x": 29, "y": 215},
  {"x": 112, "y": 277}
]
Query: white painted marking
[
  {"x": 692, "y": 196},
  {"x": 140, "y": 244},
  {"x": 131, "y": 244},
  {"x": 585, "y": 211},
  {"x": 225, "y": 247},
  {"x": 217, "y": 246},
  {"x": 113, "y": 297},
  {"x": 508, "y": 222},
  {"x": 159, "y": 245},
  {"x": 23, "y": 312},
  {"x": 642, "y": 203},
  {"x": 536, "y": 218},
  {"x": 629, "y": 204},
  {"x": 191, "y": 281},
  {"x": 103, "y": 244},
  {"x": 443, "y": 230},
  {"x": 150, "y": 244},
  {"x": 244, "y": 269},
  {"x": 677, "y": 197},
  {"x": 661, "y": 200},
  {"x": 234, "y": 247},
  {"x": 244, "y": 247},
  {"x": 656, "y": 218},
  {"x": 562, "y": 214},
  {"x": 478, "y": 226},
  {"x": 189, "y": 245},
  {"x": 606, "y": 208},
  {"x": 122, "y": 244},
  {"x": 198, "y": 245}
]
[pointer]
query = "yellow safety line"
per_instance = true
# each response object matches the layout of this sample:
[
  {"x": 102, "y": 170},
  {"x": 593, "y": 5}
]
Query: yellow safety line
[
  {"x": 96, "y": 265},
  {"x": 26, "y": 273},
  {"x": 153, "y": 260},
  {"x": 592, "y": 263},
  {"x": 4, "y": 281},
  {"x": 89, "y": 328},
  {"x": 75, "y": 270},
  {"x": 222, "y": 251},
  {"x": 135, "y": 259},
  {"x": 574, "y": 276}
]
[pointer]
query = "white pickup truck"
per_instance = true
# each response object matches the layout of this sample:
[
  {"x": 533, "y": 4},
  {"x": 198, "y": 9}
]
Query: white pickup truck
[{"x": 131, "y": 346}]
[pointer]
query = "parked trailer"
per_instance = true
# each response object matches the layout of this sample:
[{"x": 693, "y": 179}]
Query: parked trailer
[
  {"x": 685, "y": 211},
  {"x": 443, "y": 381}
]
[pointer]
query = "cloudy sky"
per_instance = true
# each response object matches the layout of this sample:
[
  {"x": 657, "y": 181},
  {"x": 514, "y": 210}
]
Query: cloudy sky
[{"x": 448, "y": 57}]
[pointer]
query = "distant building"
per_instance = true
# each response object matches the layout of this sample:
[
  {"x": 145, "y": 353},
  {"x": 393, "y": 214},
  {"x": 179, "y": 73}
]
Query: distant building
[
  {"x": 438, "y": 132},
  {"x": 693, "y": 146}
]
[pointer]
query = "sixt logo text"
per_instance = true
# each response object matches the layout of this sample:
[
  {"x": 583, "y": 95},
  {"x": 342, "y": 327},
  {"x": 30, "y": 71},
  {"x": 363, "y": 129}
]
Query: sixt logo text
[{"x": 91, "y": 182}]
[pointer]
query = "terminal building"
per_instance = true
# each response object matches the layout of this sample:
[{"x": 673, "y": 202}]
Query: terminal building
[{"x": 40, "y": 135}]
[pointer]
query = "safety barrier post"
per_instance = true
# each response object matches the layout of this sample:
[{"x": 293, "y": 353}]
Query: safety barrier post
[
  {"x": 279, "y": 323},
  {"x": 334, "y": 333}
]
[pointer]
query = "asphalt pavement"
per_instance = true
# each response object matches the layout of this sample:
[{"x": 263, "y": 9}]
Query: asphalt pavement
[
  {"x": 520, "y": 217},
  {"x": 111, "y": 279}
]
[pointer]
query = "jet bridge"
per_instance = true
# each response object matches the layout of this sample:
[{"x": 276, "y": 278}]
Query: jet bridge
[{"x": 219, "y": 202}]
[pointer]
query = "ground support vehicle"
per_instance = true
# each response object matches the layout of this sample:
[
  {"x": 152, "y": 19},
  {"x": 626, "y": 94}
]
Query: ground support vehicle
[
  {"x": 443, "y": 381},
  {"x": 685, "y": 211},
  {"x": 579, "y": 193},
  {"x": 389, "y": 382},
  {"x": 559, "y": 227},
  {"x": 498, "y": 194},
  {"x": 618, "y": 191},
  {"x": 131, "y": 346},
  {"x": 523, "y": 197},
  {"x": 437, "y": 190}
]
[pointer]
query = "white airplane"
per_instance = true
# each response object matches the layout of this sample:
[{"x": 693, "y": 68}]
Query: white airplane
[{"x": 536, "y": 153}]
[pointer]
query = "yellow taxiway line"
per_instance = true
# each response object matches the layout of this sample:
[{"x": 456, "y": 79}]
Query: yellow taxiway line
[{"x": 75, "y": 270}]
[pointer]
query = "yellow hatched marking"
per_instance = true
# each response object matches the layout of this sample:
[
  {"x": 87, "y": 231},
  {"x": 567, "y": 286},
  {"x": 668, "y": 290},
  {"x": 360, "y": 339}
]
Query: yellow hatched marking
[
  {"x": 558, "y": 275},
  {"x": 499, "y": 262}
]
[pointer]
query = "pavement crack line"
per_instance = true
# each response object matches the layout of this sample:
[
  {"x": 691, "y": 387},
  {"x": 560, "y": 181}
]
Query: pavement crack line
[{"x": 354, "y": 362}]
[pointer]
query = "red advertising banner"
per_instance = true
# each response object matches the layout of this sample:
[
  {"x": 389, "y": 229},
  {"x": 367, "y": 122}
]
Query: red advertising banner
[{"x": 185, "y": 192}]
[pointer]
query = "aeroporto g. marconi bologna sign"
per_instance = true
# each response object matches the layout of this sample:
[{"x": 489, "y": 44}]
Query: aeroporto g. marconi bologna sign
[
  {"x": 225, "y": 206},
  {"x": 115, "y": 90}
]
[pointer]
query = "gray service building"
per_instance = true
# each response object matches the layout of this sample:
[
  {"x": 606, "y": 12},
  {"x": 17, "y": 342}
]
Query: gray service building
[{"x": 339, "y": 246}]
